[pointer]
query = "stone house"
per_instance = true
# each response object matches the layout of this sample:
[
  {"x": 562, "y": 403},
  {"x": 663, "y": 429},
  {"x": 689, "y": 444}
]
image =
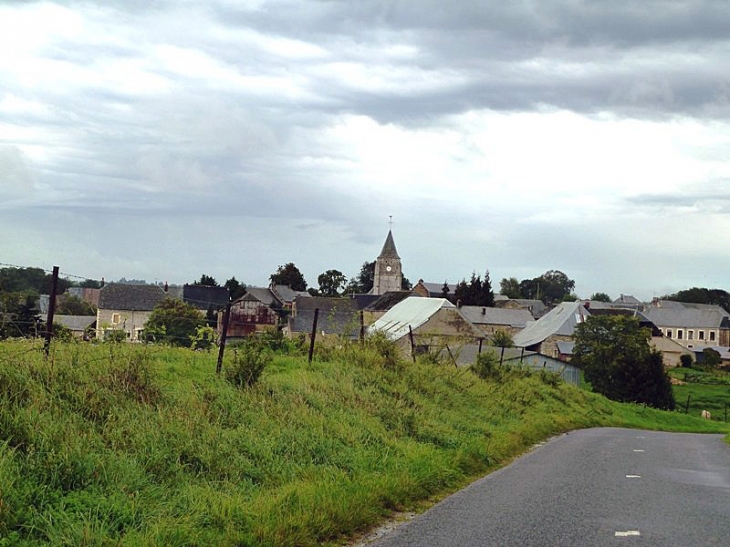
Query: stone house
[
  {"x": 420, "y": 325},
  {"x": 127, "y": 308},
  {"x": 490, "y": 320}
]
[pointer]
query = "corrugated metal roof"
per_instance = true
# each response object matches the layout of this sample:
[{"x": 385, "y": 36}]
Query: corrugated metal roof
[
  {"x": 411, "y": 312},
  {"x": 560, "y": 320}
]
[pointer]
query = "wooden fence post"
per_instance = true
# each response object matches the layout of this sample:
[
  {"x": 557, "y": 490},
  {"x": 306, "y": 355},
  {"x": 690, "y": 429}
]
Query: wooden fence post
[
  {"x": 224, "y": 335},
  {"x": 51, "y": 310},
  {"x": 314, "y": 335}
]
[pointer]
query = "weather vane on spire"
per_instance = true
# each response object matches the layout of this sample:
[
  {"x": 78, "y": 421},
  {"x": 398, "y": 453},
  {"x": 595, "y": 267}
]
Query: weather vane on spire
[{"x": 390, "y": 222}]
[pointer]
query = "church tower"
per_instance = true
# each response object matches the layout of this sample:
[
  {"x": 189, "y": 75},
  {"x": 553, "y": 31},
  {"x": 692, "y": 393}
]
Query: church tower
[{"x": 388, "y": 270}]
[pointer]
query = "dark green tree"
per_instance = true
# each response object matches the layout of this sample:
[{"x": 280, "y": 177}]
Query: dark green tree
[
  {"x": 331, "y": 283},
  {"x": 510, "y": 287},
  {"x": 19, "y": 314},
  {"x": 173, "y": 322},
  {"x": 363, "y": 282},
  {"x": 72, "y": 305},
  {"x": 445, "y": 290},
  {"x": 711, "y": 358},
  {"x": 476, "y": 292},
  {"x": 90, "y": 284},
  {"x": 206, "y": 280},
  {"x": 617, "y": 360},
  {"x": 289, "y": 275},
  {"x": 600, "y": 297},
  {"x": 235, "y": 288},
  {"x": 406, "y": 284}
]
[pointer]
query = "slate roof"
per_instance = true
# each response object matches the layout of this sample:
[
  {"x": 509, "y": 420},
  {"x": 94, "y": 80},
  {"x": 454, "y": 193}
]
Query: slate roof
[
  {"x": 436, "y": 289},
  {"x": 286, "y": 294},
  {"x": 703, "y": 318},
  {"x": 205, "y": 297},
  {"x": 118, "y": 296},
  {"x": 336, "y": 316},
  {"x": 536, "y": 307},
  {"x": 480, "y": 315},
  {"x": 386, "y": 301},
  {"x": 389, "y": 250},
  {"x": 561, "y": 320},
  {"x": 263, "y": 295},
  {"x": 75, "y": 322}
]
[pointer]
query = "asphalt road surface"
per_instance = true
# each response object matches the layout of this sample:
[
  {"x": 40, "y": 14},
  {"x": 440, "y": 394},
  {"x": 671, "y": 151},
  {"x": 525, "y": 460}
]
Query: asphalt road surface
[{"x": 590, "y": 488}]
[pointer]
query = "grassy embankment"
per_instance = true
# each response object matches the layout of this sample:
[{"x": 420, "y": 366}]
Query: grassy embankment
[{"x": 141, "y": 445}]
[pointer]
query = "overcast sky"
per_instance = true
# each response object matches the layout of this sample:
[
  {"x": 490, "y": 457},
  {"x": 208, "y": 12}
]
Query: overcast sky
[{"x": 164, "y": 139}]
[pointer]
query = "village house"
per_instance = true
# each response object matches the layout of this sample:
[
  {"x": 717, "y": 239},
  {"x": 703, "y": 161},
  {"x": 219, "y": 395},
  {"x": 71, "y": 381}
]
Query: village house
[
  {"x": 127, "y": 308},
  {"x": 694, "y": 326},
  {"x": 256, "y": 311},
  {"x": 426, "y": 325}
]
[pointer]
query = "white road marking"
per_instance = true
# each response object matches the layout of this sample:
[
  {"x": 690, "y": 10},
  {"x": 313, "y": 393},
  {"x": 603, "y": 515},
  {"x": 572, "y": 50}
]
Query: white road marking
[
  {"x": 627, "y": 533},
  {"x": 633, "y": 476},
  {"x": 639, "y": 450}
]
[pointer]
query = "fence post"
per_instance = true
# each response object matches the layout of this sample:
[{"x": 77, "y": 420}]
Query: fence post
[
  {"x": 413, "y": 345},
  {"x": 686, "y": 407},
  {"x": 51, "y": 310},
  {"x": 224, "y": 335},
  {"x": 314, "y": 335}
]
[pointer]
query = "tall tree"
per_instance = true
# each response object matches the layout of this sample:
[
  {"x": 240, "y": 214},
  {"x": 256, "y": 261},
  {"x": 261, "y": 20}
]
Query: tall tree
[
  {"x": 72, "y": 305},
  {"x": 600, "y": 297},
  {"x": 510, "y": 287},
  {"x": 617, "y": 360},
  {"x": 289, "y": 275},
  {"x": 331, "y": 282},
  {"x": 235, "y": 288},
  {"x": 206, "y": 280},
  {"x": 476, "y": 292},
  {"x": 363, "y": 282}
]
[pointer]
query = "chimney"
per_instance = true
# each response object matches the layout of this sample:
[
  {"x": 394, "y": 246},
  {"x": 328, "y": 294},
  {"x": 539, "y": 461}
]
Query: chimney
[
  {"x": 102, "y": 281},
  {"x": 484, "y": 311},
  {"x": 587, "y": 304},
  {"x": 458, "y": 303},
  {"x": 166, "y": 287}
]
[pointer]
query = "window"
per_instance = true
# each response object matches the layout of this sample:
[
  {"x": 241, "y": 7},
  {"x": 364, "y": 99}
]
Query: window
[
  {"x": 116, "y": 318},
  {"x": 680, "y": 332},
  {"x": 712, "y": 336},
  {"x": 701, "y": 334},
  {"x": 690, "y": 335},
  {"x": 669, "y": 333}
]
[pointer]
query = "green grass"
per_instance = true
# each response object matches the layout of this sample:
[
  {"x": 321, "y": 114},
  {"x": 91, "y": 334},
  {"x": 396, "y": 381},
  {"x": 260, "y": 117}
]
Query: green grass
[
  {"x": 706, "y": 390},
  {"x": 141, "y": 445}
]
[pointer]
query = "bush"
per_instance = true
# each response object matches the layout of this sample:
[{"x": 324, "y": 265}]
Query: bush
[
  {"x": 249, "y": 361},
  {"x": 487, "y": 366},
  {"x": 685, "y": 360}
]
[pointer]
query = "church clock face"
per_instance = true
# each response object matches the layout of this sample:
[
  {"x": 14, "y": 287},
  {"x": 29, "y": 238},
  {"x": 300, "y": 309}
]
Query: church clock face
[{"x": 388, "y": 268}]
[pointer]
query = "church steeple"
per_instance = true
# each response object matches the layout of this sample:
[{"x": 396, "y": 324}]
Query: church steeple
[
  {"x": 388, "y": 270},
  {"x": 389, "y": 250}
]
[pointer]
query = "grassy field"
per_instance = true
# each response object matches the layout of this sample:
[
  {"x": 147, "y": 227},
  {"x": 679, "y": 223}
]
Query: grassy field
[
  {"x": 704, "y": 390},
  {"x": 117, "y": 444}
]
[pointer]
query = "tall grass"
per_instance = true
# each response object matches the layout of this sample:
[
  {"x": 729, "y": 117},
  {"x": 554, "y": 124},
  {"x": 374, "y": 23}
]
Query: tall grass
[{"x": 116, "y": 444}]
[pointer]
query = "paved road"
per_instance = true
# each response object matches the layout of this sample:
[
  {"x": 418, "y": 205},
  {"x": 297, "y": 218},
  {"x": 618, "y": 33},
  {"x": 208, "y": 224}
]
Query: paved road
[{"x": 590, "y": 488}]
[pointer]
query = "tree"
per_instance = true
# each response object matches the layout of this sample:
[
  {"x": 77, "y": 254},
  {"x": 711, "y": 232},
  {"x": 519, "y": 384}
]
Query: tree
[
  {"x": 363, "y": 282},
  {"x": 72, "y": 305},
  {"x": 445, "y": 290},
  {"x": 555, "y": 286},
  {"x": 206, "y": 280},
  {"x": 331, "y": 283},
  {"x": 476, "y": 292},
  {"x": 510, "y": 287},
  {"x": 289, "y": 275},
  {"x": 235, "y": 289},
  {"x": 711, "y": 358},
  {"x": 614, "y": 353},
  {"x": 173, "y": 322},
  {"x": 19, "y": 314},
  {"x": 502, "y": 339},
  {"x": 600, "y": 297}
]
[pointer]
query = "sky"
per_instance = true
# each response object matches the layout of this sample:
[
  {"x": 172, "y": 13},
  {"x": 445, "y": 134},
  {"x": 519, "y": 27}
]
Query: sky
[{"x": 165, "y": 139}]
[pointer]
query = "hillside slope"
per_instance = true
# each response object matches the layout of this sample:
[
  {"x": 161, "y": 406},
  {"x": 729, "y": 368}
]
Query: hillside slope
[{"x": 142, "y": 445}]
